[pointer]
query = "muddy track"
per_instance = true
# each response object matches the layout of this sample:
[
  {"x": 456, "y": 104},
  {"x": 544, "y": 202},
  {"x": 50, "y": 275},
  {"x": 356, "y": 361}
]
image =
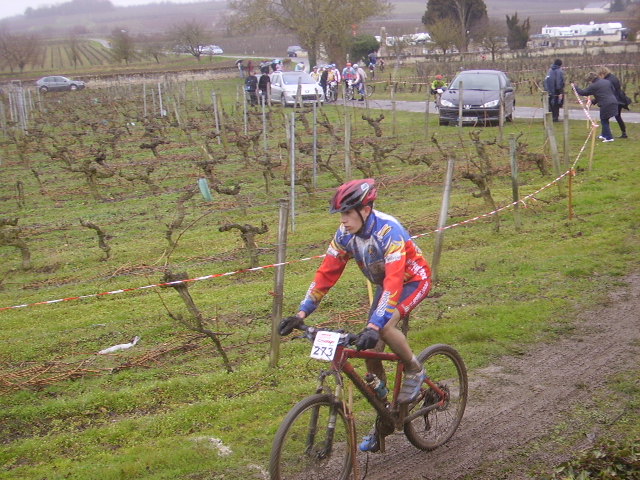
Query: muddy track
[{"x": 519, "y": 400}]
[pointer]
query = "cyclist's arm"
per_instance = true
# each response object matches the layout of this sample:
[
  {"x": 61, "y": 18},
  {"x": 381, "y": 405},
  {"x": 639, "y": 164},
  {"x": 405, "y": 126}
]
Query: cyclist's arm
[{"x": 326, "y": 277}]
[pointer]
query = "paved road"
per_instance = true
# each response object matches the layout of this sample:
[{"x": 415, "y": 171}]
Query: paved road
[{"x": 520, "y": 112}]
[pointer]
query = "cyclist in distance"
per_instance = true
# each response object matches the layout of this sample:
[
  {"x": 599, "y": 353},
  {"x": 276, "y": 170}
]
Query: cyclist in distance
[{"x": 388, "y": 258}]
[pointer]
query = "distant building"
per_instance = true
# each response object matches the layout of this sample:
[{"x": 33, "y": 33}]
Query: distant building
[
  {"x": 593, "y": 7},
  {"x": 592, "y": 33}
]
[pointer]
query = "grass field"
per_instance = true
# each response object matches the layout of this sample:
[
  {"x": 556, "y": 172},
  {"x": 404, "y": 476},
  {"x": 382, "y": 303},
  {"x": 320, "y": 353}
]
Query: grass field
[{"x": 153, "y": 411}]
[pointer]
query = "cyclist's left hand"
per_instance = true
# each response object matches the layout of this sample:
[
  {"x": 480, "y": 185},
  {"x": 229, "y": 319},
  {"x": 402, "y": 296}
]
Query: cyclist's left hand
[{"x": 367, "y": 339}]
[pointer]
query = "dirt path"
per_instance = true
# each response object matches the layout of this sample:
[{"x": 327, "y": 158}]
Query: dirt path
[{"x": 517, "y": 402}]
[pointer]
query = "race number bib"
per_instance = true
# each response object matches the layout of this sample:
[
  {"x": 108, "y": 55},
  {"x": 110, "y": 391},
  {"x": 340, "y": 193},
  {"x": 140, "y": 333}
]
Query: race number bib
[{"x": 324, "y": 346}]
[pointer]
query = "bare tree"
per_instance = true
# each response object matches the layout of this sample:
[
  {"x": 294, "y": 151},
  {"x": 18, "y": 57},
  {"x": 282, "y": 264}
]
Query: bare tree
[
  {"x": 74, "y": 49},
  {"x": 466, "y": 14},
  {"x": 492, "y": 38},
  {"x": 122, "y": 45},
  {"x": 190, "y": 37},
  {"x": 444, "y": 35},
  {"x": 153, "y": 48},
  {"x": 317, "y": 24},
  {"x": 19, "y": 50}
]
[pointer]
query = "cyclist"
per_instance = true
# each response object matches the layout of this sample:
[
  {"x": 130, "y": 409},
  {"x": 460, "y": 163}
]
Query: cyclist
[
  {"x": 437, "y": 87},
  {"x": 348, "y": 75},
  {"x": 359, "y": 82},
  {"x": 390, "y": 260}
]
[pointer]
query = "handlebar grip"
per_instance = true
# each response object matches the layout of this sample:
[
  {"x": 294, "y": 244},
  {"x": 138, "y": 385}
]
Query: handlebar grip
[{"x": 289, "y": 324}]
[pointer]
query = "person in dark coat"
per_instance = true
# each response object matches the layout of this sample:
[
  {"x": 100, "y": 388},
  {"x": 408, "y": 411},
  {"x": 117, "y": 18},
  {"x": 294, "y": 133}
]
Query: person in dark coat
[
  {"x": 605, "y": 73},
  {"x": 605, "y": 98},
  {"x": 554, "y": 85}
]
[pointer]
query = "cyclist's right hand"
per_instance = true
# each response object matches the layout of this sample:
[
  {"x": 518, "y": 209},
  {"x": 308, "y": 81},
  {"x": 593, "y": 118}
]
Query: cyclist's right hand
[{"x": 288, "y": 324}]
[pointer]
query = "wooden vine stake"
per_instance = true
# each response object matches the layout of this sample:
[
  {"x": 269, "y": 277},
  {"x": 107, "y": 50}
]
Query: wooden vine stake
[{"x": 278, "y": 289}]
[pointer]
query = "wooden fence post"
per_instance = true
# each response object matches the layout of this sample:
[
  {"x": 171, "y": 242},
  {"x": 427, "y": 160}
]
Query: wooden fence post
[
  {"x": 442, "y": 221},
  {"x": 515, "y": 189},
  {"x": 553, "y": 145},
  {"x": 276, "y": 311}
]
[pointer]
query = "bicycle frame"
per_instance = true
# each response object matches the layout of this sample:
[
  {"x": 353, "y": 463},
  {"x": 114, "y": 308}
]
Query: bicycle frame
[{"x": 393, "y": 418}]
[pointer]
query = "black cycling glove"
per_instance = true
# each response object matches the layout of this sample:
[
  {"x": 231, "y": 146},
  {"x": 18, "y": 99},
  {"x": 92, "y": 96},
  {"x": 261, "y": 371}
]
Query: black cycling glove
[
  {"x": 367, "y": 339},
  {"x": 288, "y": 324}
]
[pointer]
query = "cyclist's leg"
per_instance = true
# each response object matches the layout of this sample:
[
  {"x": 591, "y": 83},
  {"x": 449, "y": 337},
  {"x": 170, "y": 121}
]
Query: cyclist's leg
[{"x": 373, "y": 365}]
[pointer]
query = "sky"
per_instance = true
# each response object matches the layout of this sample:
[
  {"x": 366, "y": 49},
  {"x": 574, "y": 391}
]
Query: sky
[{"x": 9, "y": 8}]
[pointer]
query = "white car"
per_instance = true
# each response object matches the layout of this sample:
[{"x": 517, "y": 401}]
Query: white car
[
  {"x": 284, "y": 88},
  {"x": 212, "y": 50}
]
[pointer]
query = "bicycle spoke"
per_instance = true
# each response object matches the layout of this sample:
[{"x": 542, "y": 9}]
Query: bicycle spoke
[
  {"x": 433, "y": 428},
  {"x": 306, "y": 447}
]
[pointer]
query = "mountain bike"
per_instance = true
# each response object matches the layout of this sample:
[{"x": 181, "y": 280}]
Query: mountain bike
[
  {"x": 351, "y": 91},
  {"x": 318, "y": 438},
  {"x": 332, "y": 92}
]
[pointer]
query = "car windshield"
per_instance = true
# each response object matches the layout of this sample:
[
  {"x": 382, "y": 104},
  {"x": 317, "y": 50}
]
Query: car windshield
[
  {"x": 292, "y": 78},
  {"x": 476, "y": 81}
]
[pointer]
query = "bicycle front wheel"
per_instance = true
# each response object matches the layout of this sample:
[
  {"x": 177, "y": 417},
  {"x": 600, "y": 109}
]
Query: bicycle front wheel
[
  {"x": 445, "y": 368},
  {"x": 313, "y": 441}
]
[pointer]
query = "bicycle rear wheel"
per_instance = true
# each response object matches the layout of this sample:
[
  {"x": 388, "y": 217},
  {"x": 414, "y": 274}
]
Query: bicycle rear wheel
[
  {"x": 370, "y": 89},
  {"x": 313, "y": 441},
  {"x": 445, "y": 368}
]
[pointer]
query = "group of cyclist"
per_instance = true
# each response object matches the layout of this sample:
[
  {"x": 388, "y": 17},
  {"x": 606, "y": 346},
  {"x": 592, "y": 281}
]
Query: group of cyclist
[{"x": 329, "y": 77}]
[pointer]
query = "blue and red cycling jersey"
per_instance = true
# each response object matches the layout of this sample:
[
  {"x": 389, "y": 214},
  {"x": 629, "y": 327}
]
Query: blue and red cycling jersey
[{"x": 386, "y": 255}]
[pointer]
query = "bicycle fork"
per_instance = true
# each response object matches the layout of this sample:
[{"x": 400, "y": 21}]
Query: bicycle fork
[{"x": 333, "y": 418}]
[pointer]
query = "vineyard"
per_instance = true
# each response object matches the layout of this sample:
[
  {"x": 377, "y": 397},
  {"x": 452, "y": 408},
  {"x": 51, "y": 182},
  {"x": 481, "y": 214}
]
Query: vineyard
[
  {"x": 103, "y": 204},
  {"x": 91, "y": 57}
]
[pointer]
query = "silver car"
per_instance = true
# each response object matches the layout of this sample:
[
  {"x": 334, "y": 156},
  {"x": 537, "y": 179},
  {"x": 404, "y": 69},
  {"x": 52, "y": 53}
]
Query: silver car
[
  {"x": 284, "y": 88},
  {"x": 57, "y": 83}
]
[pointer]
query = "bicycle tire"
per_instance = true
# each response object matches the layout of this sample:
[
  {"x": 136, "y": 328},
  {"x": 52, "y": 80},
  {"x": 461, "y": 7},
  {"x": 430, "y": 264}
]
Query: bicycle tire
[
  {"x": 370, "y": 89},
  {"x": 445, "y": 368},
  {"x": 349, "y": 93},
  {"x": 298, "y": 450}
]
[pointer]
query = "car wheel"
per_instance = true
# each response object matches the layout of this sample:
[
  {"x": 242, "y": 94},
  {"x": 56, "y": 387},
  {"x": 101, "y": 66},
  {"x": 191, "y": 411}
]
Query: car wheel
[
  {"x": 442, "y": 122},
  {"x": 44, "y": 89},
  {"x": 73, "y": 87},
  {"x": 509, "y": 118}
]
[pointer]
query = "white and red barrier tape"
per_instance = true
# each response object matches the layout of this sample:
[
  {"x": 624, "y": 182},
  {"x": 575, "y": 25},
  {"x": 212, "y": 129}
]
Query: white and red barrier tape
[{"x": 263, "y": 267}]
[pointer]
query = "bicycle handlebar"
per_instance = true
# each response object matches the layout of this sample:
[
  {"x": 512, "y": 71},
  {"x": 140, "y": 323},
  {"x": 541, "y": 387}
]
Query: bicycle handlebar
[{"x": 310, "y": 333}]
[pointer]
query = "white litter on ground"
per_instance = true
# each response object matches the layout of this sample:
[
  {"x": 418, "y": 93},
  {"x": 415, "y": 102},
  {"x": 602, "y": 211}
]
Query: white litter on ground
[{"x": 122, "y": 346}]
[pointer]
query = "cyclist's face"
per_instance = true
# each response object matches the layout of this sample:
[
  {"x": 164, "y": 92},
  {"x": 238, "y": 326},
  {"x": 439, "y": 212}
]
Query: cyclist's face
[{"x": 353, "y": 221}]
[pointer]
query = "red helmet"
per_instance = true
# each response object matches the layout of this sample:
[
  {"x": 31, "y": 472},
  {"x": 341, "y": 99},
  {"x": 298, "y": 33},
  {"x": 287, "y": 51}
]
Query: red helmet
[
  {"x": 438, "y": 77},
  {"x": 354, "y": 194},
  {"x": 348, "y": 64}
]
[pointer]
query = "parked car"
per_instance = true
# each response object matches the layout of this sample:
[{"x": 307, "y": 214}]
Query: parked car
[
  {"x": 284, "y": 88},
  {"x": 57, "y": 83},
  {"x": 293, "y": 50},
  {"x": 212, "y": 50},
  {"x": 482, "y": 94}
]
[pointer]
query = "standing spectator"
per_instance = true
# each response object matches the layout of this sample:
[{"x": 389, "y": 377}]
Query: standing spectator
[
  {"x": 324, "y": 79},
  {"x": 250, "y": 67},
  {"x": 605, "y": 73},
  {"x": 264, "y": 87},
  {"x": 251, "y": 87},
  {"x": 240, "y": 67},
  {"x": 605, "y": 98},
  {"x": 554, "y": 85}
]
